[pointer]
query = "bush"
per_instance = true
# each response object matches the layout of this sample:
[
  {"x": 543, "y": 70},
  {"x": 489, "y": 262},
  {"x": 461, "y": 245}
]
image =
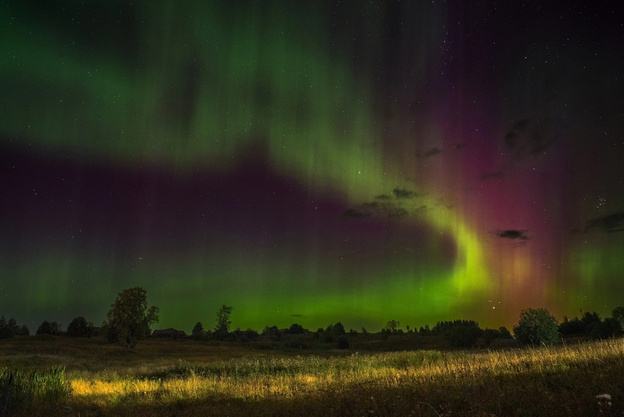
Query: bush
[
  {"x": 51, "y": 329},
  {"x": 489, "y": 335},
  {"x": 504, "y": 333},
  {"x": 610, "y": 327},
  {"x": 536, "y": 327},
  {"x": 273, "y": 332},
  {"x": 296, "y": 329},
  {"x": 337, "y": 329},
  {"x": 79, "y": 327},
  {"x": 618, "y": 314},
  {"x": 570, "y": 327}
]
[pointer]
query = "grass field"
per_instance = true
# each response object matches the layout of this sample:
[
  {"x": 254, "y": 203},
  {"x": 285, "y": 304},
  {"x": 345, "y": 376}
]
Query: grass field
[{"x": 89, "y": 377}]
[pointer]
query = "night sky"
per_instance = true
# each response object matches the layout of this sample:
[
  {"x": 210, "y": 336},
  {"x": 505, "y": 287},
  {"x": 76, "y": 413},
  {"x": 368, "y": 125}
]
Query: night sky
[{"x": 311, "y": 161}]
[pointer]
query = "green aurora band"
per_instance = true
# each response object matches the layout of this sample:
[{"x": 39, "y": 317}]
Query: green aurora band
[{"x": 191, "y": 87}]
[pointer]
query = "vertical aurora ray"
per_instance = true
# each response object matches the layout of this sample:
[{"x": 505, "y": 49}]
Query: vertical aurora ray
[{"x": 209, "y": 152}]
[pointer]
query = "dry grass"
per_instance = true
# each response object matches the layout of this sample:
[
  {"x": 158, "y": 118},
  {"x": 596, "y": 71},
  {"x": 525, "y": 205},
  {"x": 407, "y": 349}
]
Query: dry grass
[{"x": 202, "y": 379}]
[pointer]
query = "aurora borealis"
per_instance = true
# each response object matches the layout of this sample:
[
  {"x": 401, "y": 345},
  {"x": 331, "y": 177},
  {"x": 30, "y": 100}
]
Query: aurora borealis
[{"x": 311, "y": 162}]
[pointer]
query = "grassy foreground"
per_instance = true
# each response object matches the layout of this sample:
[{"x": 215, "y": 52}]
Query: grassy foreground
[{"x": 187, "y": 378}]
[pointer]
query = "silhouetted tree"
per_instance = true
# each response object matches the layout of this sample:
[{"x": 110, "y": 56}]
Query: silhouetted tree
[
  {"x": 536, "y": 326},
  {"x": 5, "y": 330},
  {"x": 129, "y": 318},
  {"x": 504, "y": 333},
  {"x": 459, "y": 333},
  {"x": 198, "y": 331},
  {"x": 570, "y": 327},
  {"x": 610, "y": 327},
  {"x": 250, "y": 334},
  {"x": 13, "y": 327},
  {"x": 295, "y": 329},
  {"x": 462, "y": 336},
  {"x": 339, "y": 329},
  {"x": 222, "y": 327},
  {"x": 24, "y": 331},
  {"x": 501, "y": 333},
  {"x": 45, "y": 328},
  {"x": 442, "y": 326},
  {"x": 393, "y": 326},
  {"x": 592, "y": 323},
  {"x": 272, "y": 332},
  {"x": 489, "y": 335},
  {"x": 618, "y": 314},
  {"x": 80, "y": 327},
  {"x": 57, "y": 329}
]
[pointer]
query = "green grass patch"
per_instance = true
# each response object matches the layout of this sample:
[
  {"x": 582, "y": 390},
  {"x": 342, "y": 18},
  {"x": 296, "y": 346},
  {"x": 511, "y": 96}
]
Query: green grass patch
[{"x": 25, "y": 391}]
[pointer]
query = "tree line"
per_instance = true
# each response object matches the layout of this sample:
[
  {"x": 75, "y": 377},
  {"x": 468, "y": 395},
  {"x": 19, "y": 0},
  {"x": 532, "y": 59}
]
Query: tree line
[{"x": 130, "y": 319}]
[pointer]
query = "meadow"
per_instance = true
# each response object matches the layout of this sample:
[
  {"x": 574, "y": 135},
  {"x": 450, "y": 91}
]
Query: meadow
[{"x": 89, "y": 377}]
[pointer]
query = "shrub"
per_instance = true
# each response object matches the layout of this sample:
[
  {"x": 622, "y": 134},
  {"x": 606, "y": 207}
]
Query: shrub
[
  {"x": 44, "y": 328},
  {"x": 337, "y": 329},
  {"x": 536, "y": 326},
  {"x": 569, "y": 327},
  {"x": 24, "y": 330},
  {"x": 489, "y": 335},
  {"x": 273, "y": 332},
  {"x": 618, "y": 314},
  {"x": 79, "y": 327},
  {"x": 296, "y": 329},
  {"x": 610, "y": 327},
  {"x": 504, "y": 333},
  {"x": 251, "y": 334}
]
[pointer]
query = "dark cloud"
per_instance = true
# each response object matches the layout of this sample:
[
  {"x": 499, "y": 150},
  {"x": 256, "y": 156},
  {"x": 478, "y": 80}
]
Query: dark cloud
[
  {"x": 461, "y": 145},
  {"x": 403, "y": 193},
  {"x": 512, "y": 234},
  {"x": 529, "y": 137},
  {"x": 386, "y": 206},
  {"x": 375, "y": 208},
  {"x": 491, "y": 176},
  {"x": 297, "y": 315},
  {"x": 431, "y": 152},
  {"x": 397, "y": 212},
  {"x": 611, "y": 223},
  {"x": 356, "y": 213}
]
